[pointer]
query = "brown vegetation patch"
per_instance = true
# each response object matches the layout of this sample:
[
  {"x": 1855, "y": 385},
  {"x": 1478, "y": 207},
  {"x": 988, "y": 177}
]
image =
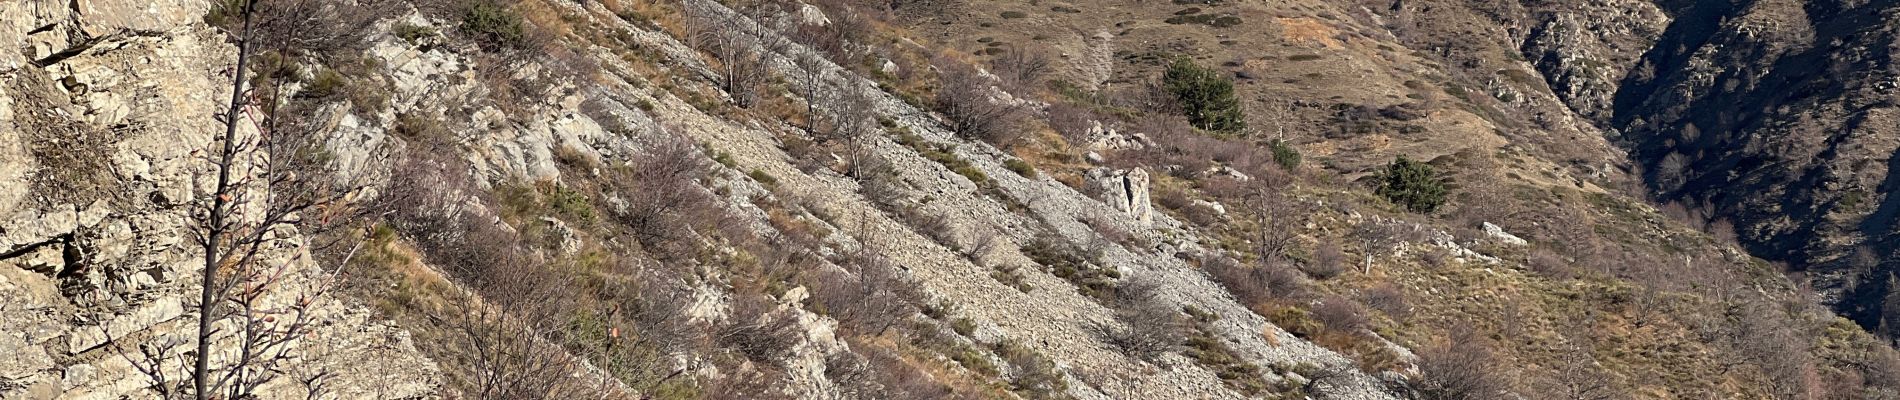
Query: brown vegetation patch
[{"x": 1306, "y": 29}]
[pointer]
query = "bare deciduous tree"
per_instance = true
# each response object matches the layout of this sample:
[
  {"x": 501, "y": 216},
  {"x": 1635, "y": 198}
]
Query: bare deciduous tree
[
  {"x": 1276, "y": 219},
  {"x": 1673, "y": 171},
  {"x": 743, "y": 53},
  {"x": 268, "y": 188},
  {"x": 1380, "y": 237},
  {"x": 852, "y": 124},
  {"x": 1578, "y": 376},
  {"x": 813, "y": 83},
  {"x": 1283, "y": 114}
]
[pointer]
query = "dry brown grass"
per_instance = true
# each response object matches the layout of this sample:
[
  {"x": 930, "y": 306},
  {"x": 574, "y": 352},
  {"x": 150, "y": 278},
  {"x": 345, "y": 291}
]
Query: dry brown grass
[{"x": 550, "y": 20}]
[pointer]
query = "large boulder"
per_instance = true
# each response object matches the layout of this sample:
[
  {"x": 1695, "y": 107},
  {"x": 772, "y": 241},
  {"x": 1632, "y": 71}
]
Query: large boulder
[{"x": 1124, "y": 189}]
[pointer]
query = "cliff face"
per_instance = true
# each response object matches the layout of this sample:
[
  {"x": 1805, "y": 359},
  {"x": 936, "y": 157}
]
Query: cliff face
[
  {"x": 1777, "y": 116},
  {"x": 1767, "y": 118},
  {"x": 105, "y": 117}
]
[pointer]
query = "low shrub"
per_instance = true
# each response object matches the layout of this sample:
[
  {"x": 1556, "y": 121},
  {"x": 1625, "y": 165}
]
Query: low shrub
[
  {"x": 1340, "y": 314},
  {"x": 1387, "y": 299},
  {"x": 1068, "y": 262},
  {"x": 412, "y": 33},
  {"x": 1145, "y": 330},
  {"x": 1461, "y": 368},
  {"x": 1020, "y": 167},
  {"x": 1255, "y": 285},
  {"x": 326, "y": 84},
  {"x": 973, "y": 360},
  {"x": 963, "y": 326},
  {"x": 964, "y": 100},
  {"x": 1009, "y": 275},
  {"x": 1328, "y": 261},
  {"x": 763, "y": 178},
  {"x": 1031, "y": 373},
  {"x": 495, "y": 25},
  {"x": 1284, "y": 154}
]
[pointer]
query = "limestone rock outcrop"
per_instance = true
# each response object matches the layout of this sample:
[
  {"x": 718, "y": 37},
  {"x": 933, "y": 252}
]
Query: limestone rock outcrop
[
  {"x": 1125, "y": 190},
  {"x": 108, "y": 117}
]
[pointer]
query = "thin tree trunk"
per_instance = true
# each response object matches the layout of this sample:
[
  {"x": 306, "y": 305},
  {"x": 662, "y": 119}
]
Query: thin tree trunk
[{"x": 207, "y": 299}]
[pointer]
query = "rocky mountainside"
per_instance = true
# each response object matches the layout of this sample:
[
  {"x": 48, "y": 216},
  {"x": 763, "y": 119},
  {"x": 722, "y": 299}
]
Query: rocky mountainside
[
  {"x": 1758, "y": 118},
  {"x": 1775, "y": 117},
  {"x": 967, "y": 199}
]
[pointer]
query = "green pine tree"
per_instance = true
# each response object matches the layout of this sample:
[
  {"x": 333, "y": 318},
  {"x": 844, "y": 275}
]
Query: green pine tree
[
  {"x": 1412, "y": 184},
  {"x": 1284, "y": 154},
  {"x": 1206, "y": 95}
]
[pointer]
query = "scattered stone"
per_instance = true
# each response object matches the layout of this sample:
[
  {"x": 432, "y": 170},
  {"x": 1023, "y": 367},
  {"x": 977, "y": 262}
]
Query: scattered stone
[
  {"x": 1216, "y": 206},
  {"x": 812, "y": 15},
  {"x": 76, "y": 375},
  {"x": 1497, "y": 232},
  {"x": 1106, "y": 139},
  {"x": 570, "y": 241}
]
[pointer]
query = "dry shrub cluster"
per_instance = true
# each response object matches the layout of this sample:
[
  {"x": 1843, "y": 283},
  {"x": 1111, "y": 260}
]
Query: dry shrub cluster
[
  {"x": 1022, "y": 71},
  {"x": 840, "y": 40},
  {"x": 1256, "y": 284},
  {"x": 755, "y": 332},
  {"x": 872, "y": 371},
  {"x": 1075, "y": 264},
  {"x": 1072, "y": 122},
  {"x": 868, "y": 298},
  {"x": 506, "y": 346},
  {"x": 612, "y": 307},
  {"x": 1328, "y": 262},
  {"x": 1031, "y": 374},
  {"x": 1109, "y": 232},
  {"x": 1183, "y": 152},
  {"x": 1144, "y": 327},
  {"x": 879, "y": 183},
  {"x": 1549, "y": 264},
  {"x": 663, "y": 199},
  {"x": 1461, "y": 368},
  {"x": 1341, "y": 314},
  {"x": 1387, "y": 299},
  {"x": 967, "y": 101}
]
